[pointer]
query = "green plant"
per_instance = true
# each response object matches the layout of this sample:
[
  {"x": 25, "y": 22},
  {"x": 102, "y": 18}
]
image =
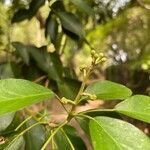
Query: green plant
[
  {"x": 70, "y": 26},
  {"x": 104, "y": 127}
]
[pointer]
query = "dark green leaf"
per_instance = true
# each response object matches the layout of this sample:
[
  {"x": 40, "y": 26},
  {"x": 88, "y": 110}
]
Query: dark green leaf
[
  {"x": 69, "y": 73},
  {"x": 5, "y": 121},
  {"x": 107, "y": 133},
  {"x": 51, "y": 28},
  {"x": 48, "y": 62},
  {"x": 35, "y": 137},
  {"x": 69, "y": 88},
  {"x": 71, "y": 23},
  {"x": 83, "y": 5},
  {"x": 22, "y": 50},
  {"x": 58, "y": 6},
  {"x": 20, "y": 15},
  {"x": 34, "y": 7},
  {"x": 9, "y": 70},
  {"x": 62, "y": 142},
  {"x": 16, "y": 94},
  {"x": 107, "y": 90},
  {"x": 137, "y": 107},
  {"x": 101, "y": 112},
  {"x": 14, "y": 124},
  {"x": 70, "y": 34},
  {"x": 84, "y": 124},
  {"x": 23, "y": 14},
  {"x": 6, "y": 71}
]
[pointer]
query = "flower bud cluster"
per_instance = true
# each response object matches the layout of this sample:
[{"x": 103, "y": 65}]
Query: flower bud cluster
[{"x": 97, "y": 58}]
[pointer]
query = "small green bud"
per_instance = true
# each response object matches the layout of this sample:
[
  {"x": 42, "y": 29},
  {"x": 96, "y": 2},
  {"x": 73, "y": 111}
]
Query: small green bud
[
  {"x": 91, "y": 96},
  {"x": 96, "y": 56},
  {"x": 66, "y": 101},
  {"x": 83, "y": 67},
  {"x": 101, "y": 54},
  {"x": 103, "y": 59},
  {"x": 93, "y": 52}
]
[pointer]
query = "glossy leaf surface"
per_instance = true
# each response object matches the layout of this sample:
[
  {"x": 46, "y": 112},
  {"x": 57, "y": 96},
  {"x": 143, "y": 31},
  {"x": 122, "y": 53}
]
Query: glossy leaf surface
[
  {"x": 35, "y": 137},
  {"x": 17, "y": 93},
  {"x": 108, "y": 133},
  {"x": 107, "y": 90},
  {"x": 137, "y": 107}
]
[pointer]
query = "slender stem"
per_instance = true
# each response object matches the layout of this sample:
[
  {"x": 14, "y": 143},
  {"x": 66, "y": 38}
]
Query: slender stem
[
  {"x": 21, "y": 124},
  {"x": 88, "y": 43},
  {"x": 28, "y": 118},
  {"x": 39, "y": 79},
  {"x": 53, "y": 142},
  {"x": 69, "y": 141},
  {"x": 77, "y": 99},
  {"x": 62, "y": 104},
  {"x": 51, "y": 136},
  {"x": 27, "y": 129}
]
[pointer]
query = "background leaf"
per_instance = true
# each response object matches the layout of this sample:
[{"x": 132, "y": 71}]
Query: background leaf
[
  {"x": 5, "y": 121},
  {"x": 71, "y": 23},
  {"x": 107, "y": 90},
  {"x": 34, "y": 138},
  {"x": 16, "y": 94},
  {"x": 22, "y": 51},
  {"x": 23, "y": 14},
  {"x": 137, "y": 107},
  {"x": 84, "y": 6},
  {"x": 62, "y": 143},
  {"x": 107, "y": 133},
  {"x": 69, "y": 88},
  {"x": 18, "y": 144},
  {"x": 48, "y": 62},
  {"x": 20, "y": 15},
  {"x": 51, "y": 28}
]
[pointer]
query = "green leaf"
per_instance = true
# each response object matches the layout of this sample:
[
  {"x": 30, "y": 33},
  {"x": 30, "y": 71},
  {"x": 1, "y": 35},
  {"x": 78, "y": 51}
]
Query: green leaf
[
  {"x": 84, "y": 124},
  {"x": 83, "y": 5},
  {"x": 69, "y": 88},
  {"x": 16, "y": 94},
  {"x": 62, "y": 142},
  {"x": 20, "y": 15},
  {"x": 35, "y": 137},
  {"x": 18, "y": 144},
  {"x": 13, "y": 125},
  {"x": 51, "y": 28},
  {"x": 48, "y": 62},
  {"x": 34, "y": 7},
  {"x": 58, "y": 5},
  {"x": 107, "y": 133},
  {"x": 6, "y": 71},
  {"x": 101, "y": 112},
  {"x": 22, "y": 51},
  {"x": 107, "y": 90},
  {"x": 23, "y": 14},
  {"x": 5, "y": 121},
  {"x": 71, "y": 23},
  {"x": 137, "y": 107}
]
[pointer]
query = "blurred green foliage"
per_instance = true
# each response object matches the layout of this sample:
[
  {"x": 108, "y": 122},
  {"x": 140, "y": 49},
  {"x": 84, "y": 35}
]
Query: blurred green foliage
[{"x": 54, "y": 38}]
